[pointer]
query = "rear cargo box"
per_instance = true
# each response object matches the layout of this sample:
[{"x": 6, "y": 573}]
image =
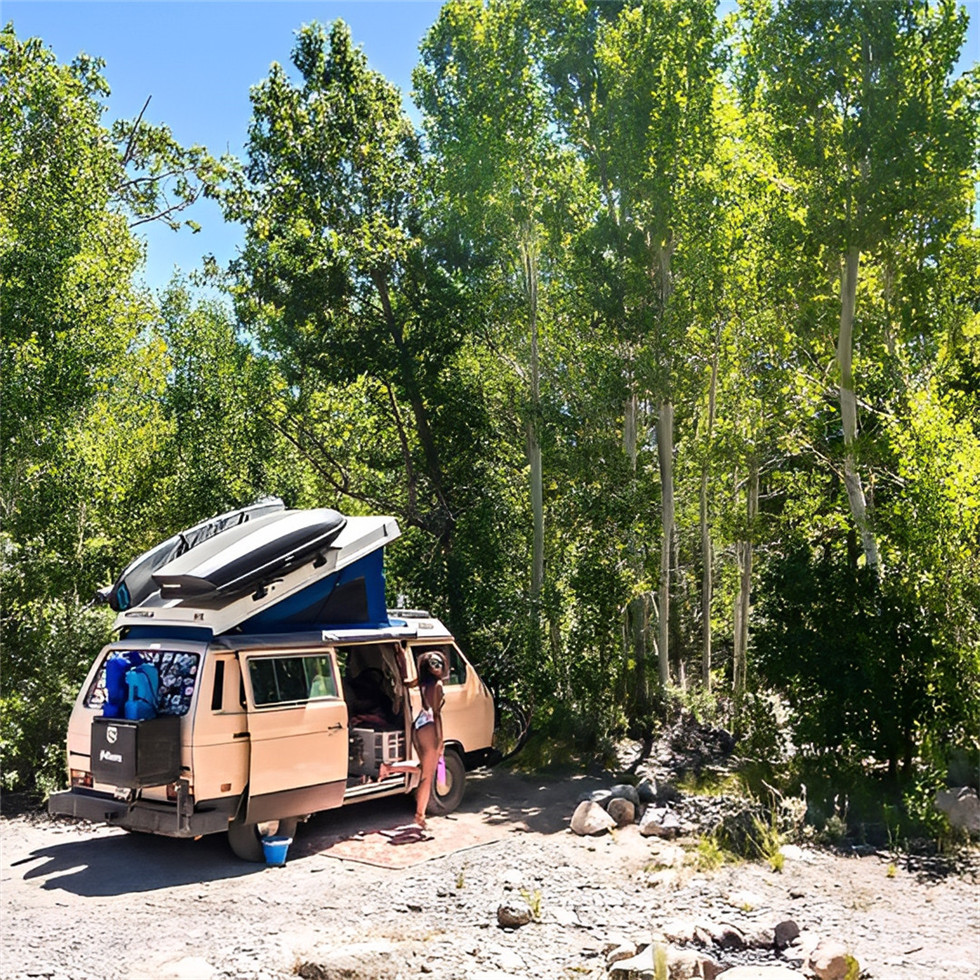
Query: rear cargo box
[{"x": 134, "y": 754}]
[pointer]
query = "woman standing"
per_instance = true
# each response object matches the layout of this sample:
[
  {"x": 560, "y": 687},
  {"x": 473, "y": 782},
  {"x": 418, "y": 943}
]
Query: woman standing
[{"x": 426, "y": 729}]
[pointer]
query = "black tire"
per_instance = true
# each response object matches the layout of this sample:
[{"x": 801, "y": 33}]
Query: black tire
[
  {"x": 440, "y": 803},
  {"x": 245, "y": 839}
]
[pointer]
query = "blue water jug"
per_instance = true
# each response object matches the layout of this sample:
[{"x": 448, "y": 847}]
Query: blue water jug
[
  {"x": 143, "y": 685},
  {"x": 116, "y": 689}
]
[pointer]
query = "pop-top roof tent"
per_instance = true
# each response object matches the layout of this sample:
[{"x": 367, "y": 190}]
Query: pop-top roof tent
[{"x": 280, "y": 571}]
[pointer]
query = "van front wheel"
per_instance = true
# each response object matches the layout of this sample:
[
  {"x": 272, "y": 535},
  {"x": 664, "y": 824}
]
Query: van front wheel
[
  {"x": 245, "y": 839},
  {"x": 456, "y": 784}
]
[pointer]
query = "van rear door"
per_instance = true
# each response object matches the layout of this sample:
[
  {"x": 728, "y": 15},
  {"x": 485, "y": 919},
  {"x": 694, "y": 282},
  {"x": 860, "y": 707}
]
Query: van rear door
[{"x": 297, "y": 724}]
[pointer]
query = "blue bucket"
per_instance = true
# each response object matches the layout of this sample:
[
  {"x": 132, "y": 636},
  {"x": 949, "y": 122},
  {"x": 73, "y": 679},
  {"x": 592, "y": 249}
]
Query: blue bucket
[{"x": 275, "y": 850}]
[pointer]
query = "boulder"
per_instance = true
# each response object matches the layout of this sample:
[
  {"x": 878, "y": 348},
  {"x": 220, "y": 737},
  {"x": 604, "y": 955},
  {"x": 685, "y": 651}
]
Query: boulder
[
  {"x": 623, "y": 791},
  {"x": 622, "y": 811},
  {"x": 830, "y": 961},
  {"x": 651, "y": 819},
  {"x": 786, "y": 933},
  {"x": 646, "y": 790},
  {"x": 961, "y": 806},
  {"x": 589, "y": 818},
  {"x": 600, "y": 796}
]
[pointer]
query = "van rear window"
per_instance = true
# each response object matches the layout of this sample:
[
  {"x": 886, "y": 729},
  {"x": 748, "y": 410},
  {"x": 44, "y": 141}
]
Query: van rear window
[
  {"x": 288, "y": 680},
  {"x": 178, "y": 678}
]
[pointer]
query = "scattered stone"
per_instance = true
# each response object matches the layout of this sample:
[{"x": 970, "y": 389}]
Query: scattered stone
[
  {"x": 759, "y": 936},
  {"x": 646, "y": 790},
  {"x": 830, "y": 961},
  {"x": 620, "y": 952},
  {"x": 589, "y": 818},
  {"x": 514, "y": 914},
  {"x": 623, "y": 791},
  {"x": 642, "y": 962},
  {"x": 786, "y": 933},
  {"x": 678, "y": 931},
  {"x": 759, "y": 973},
  {"x": 622, "y": 811},
  {"x": 600, "y": 796},
  {"x": 651, "y": 819}
]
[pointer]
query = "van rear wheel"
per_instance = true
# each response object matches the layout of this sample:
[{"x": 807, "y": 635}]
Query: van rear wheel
[
  {"x": 245, "y": 839},
  {"x": 456, "y": 783}
]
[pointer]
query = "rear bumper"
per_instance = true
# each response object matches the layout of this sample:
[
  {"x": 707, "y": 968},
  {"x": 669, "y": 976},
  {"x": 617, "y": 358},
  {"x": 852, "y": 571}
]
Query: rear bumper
[{"x": 167, "y": 819}]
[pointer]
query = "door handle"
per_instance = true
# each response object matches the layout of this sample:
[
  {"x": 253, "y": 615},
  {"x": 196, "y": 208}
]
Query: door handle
[
  {"x": 240, "y": 735},
  {"x": 335, "y": 728}
]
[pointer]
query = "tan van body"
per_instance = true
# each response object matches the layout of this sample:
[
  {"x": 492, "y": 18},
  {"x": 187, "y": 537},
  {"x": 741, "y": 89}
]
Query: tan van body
[{"x": 267, "y": 729}]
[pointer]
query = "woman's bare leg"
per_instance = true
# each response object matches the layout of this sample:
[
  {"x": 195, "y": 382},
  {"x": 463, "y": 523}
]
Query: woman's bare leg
[{"x": 427, "y": 745}]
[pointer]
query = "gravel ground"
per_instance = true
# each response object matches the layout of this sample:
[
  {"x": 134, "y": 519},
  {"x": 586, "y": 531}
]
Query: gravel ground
[{"x": 80, "y": 901}]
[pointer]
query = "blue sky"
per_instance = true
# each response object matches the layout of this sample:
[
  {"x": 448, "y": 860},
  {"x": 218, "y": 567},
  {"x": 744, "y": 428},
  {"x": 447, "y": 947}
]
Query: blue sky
[{"x": 198, "y": 58}]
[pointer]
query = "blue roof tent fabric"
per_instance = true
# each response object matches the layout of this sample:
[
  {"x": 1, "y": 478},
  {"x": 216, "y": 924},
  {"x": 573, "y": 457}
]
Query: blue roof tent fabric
[{"x": 354, "y": 596}]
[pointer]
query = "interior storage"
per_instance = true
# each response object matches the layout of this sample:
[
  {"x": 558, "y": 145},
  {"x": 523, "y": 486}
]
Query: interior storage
[{"x": 375, "y": 696}]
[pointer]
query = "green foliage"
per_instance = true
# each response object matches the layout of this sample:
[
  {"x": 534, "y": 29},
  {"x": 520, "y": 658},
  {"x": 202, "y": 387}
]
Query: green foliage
[{"x": 477, "y": 328}]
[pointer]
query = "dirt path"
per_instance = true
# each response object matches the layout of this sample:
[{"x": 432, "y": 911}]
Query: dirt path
[{"x": 89, "y": 902}]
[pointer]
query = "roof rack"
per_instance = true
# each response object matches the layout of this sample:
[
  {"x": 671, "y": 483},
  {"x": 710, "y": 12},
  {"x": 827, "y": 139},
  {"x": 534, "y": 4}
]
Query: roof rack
[{"x": 410, "y": 613}]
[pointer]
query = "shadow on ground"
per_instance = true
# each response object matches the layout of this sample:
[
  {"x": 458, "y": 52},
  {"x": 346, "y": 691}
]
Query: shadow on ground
[{"x": 496, "y": 803}]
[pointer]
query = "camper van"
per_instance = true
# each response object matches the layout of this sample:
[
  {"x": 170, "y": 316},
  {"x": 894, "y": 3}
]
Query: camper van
[{"x": 259, "y": 677}]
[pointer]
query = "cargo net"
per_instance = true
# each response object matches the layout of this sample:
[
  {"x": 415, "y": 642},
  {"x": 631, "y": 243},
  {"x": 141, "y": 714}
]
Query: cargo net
[{"x": 178, "y": 675}]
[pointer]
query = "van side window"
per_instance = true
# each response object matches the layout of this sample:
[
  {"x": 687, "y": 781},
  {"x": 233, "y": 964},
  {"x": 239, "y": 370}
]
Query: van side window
[
  {"x": 288, "y": 680},
  {"x": 218, "y": 691}
]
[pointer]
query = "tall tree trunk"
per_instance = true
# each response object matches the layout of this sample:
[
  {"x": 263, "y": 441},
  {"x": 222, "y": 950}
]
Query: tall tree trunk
[
  {"x": 638, "y": 609},
  {"x": 535, "y": 466},
  {"x": 665, "y": 452},
  {"x": 848, "y": 407},
  {"x": 707, "y": 554},
  {"x": 743, "y": 603}
]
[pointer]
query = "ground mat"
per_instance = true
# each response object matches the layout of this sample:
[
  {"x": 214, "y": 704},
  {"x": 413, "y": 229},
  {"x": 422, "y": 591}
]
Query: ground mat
[{"x": 401, "y": 846}]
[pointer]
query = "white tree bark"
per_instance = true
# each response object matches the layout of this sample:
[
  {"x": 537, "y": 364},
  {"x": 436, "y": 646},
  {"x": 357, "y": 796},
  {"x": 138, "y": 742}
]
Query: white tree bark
[
  {"x": 848, "y": 407},
  {"x": 665, "y": 453},
  {"x": 707, "y": 553},
  {"x": 743, "y": 601}
]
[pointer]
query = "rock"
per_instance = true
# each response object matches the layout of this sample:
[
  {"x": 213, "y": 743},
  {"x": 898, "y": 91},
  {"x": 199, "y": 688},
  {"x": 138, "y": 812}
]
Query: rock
[
  {"x": 759, "y": 936},
  {"x": 646, "y": 790},
  {"x": 678, "y": 930},
  {"x": 589, "y": 818},
  {"x": 786, "y": 933},
  {"x": 961, "y": 806},
  {"x": 600, "y": 796},
  {"x": 622, "y": 811},
  {"x": 686, "y": 964},
  {"x": 830, "y": 961},
  {"x": 623, "y": 791},
  {"x": 759, "y": 973},
  {"x": 727, "y": 936},
  {"x": 650, "y": 821},
  {"x": 619, "y": 952},
  {"x": 667, "y": 793},
  {"x": 660, "y": 824},
  {"x": 642, "y": 963},
  {"x": 514, "y": 914}
]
